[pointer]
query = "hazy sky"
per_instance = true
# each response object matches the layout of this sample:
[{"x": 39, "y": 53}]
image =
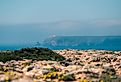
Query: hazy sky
[
  {"x": 33, "y": 20},
  {"x": 32, "y": 11}
]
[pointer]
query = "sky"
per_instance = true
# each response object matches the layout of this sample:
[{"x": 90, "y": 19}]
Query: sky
[
  {"x": 28, "y": 20},
  {"x": 32, "y": 11}
]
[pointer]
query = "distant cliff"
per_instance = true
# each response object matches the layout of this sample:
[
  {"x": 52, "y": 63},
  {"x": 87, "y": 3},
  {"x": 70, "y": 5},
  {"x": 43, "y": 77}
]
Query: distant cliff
[{"x": 83, "y": 42}]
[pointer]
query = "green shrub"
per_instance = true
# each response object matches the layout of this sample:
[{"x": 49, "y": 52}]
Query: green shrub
[
  {"x": 30, "y": 53},
  {"x": 69, "y": 77}
]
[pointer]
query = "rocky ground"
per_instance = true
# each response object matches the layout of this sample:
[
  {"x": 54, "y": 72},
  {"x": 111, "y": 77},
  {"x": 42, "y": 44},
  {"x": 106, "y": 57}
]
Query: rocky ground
[{"x": 79, "y": 66}]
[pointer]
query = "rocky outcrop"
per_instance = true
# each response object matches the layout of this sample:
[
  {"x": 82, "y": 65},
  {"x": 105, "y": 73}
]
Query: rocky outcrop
[{"x": 79, "y": 66}]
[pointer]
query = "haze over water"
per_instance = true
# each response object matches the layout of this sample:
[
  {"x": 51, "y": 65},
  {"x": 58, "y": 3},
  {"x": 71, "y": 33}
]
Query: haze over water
[{"x": 25, "y": 22}]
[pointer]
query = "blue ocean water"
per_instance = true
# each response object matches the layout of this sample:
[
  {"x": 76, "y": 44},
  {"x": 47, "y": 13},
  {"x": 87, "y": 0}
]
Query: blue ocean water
[
  {"x": 14, "y": 47},
  {"x": 68, "y": 42},
  {"x": 17, "y": 47},
  {"x": 84, "y": 42}
]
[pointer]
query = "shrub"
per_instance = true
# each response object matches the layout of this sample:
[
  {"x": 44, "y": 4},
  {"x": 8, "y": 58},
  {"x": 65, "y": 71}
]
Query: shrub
[
  {"x": 69, "y": 77},
  {"x": 30, "y": 53}
]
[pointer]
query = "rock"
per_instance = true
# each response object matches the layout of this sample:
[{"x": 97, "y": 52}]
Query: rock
[
  {"x": 30, "y": 68},
  {"x": 106, "y": 65},
  {"x": 23, "y": 80},
  {"x": 29, "y": 74},
  {"x": 45, "y": 71},
  {"x": 91, "y": 65},
  {"x": 48, "y": 80},
  {"x": 2, "y": 64},
  {"x": 64, "y": 63},
  {"x": 2, "y": 77}
]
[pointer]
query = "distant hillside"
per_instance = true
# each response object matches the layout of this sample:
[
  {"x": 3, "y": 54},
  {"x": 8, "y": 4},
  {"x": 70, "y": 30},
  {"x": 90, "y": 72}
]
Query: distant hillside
[
  {"x": 84, "y": 42},
  {"x": 33, "y": 32}
]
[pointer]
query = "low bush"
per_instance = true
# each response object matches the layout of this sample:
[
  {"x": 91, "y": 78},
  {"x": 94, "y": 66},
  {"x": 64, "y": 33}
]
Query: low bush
[{"x": 30, "y": 53}]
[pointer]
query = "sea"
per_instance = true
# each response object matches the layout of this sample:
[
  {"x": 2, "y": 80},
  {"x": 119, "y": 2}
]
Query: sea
[{"x": 18, "y": 47}]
